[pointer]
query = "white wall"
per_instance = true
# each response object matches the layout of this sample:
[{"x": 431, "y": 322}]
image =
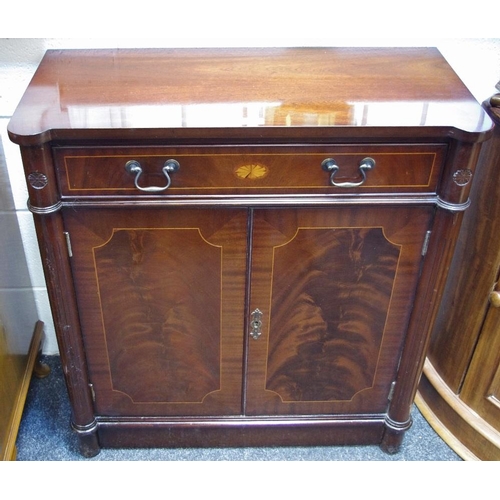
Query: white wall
[{"x": 476, "y": 60}]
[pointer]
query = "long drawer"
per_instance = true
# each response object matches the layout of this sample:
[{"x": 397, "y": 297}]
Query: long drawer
[{"x": 164, "y": 171}]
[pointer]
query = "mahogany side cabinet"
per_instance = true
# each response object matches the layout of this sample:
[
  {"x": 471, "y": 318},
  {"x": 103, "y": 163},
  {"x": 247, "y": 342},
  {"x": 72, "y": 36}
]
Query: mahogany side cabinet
[
  {"x": 246, "y": 246},
  {"x": 459, "y": 391}
]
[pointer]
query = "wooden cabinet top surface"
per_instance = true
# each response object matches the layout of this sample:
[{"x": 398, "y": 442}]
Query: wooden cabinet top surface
[{"x": 334, "y": 93}]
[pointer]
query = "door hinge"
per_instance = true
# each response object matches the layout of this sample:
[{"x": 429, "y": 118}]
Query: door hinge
[
  {"x": 425, "y": 246},
  {"x": 92, "y": 392},
  {"x": 391, "y": 391},
  {"x": 68, "y": 243}
]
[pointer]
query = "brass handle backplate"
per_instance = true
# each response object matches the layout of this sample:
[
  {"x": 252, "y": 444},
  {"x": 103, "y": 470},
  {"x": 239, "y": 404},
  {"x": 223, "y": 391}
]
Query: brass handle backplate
[{"x": 330, "y": 165}]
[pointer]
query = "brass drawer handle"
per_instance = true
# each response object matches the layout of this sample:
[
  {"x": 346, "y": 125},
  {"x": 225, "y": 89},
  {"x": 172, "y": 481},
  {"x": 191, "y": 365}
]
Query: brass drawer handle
[
  {"x": 330, "y": 165},
  {"x": 134, "y": 167}
]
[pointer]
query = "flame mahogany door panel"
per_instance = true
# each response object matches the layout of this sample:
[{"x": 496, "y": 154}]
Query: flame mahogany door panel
[
  {"x": 333, "y": 286},
  {"x": 161, "y": 303}
]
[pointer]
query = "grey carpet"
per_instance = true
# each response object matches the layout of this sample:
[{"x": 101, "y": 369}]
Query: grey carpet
[{"x": 45, "y": 435}]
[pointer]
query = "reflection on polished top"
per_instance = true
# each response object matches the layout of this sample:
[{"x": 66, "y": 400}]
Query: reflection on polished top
[{"x": 244, "y": 91}]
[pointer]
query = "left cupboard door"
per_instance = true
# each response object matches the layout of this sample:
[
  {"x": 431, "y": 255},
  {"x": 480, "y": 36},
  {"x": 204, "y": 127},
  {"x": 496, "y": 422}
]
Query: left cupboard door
[{"x": 161, "y": 299}]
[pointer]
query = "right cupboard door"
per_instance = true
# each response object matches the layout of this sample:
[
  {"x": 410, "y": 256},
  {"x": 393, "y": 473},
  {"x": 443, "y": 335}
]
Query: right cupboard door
[
  {"x": 481, "y": 387},
  {"x": 330, "y": 301}
]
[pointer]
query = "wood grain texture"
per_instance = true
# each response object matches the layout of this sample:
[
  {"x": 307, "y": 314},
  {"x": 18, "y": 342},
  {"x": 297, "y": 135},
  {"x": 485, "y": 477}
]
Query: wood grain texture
[
  {"x": 17, "y": 364},
  {"x": 473, "y": 274},
  {"x": 329, "y": 313},
  {"x": 458, "y": 424},
  {"x": 241, "y": 432},
  {"x": 87, "y": 172},
  {"x": 481, "y": 389},
  {"x": 250, "y": 221},
  {"x": 160, "y": 293},
  {"x": 202, "y": 91},
  {"x": 461, "y": 382},
  {"x": 161, "y": 302},
  {"x": 332, "y": 284}
]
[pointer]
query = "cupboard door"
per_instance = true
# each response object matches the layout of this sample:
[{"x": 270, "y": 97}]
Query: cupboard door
[
  {"x": 161, "y": 303},
  {"x": 334, "y": 288},
  {"x": 481, "y": 388}
]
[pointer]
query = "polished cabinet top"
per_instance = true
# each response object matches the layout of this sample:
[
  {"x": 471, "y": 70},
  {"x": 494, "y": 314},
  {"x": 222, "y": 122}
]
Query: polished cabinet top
[{"x": 246, "y": 93}]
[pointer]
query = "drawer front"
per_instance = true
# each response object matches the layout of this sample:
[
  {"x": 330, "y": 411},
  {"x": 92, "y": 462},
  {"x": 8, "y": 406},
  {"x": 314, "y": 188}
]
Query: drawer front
[{"x": 247, "y": 170}]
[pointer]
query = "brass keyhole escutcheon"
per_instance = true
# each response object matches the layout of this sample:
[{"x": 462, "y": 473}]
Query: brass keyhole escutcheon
[{"x": 256, "y": 324}]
